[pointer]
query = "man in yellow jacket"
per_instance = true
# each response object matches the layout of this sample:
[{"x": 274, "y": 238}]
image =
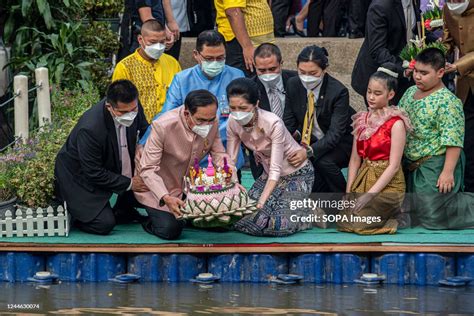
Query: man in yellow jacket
[
  {"x": 458, "y": 36},
  {"x": 150, "y": 70}
]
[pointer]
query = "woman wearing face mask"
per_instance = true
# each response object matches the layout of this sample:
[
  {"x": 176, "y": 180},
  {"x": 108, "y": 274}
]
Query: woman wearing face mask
[
  {"x": 458, "y": 26},
  {"x": 317, "y": 114},
  {"x": 265, "y": 135}
]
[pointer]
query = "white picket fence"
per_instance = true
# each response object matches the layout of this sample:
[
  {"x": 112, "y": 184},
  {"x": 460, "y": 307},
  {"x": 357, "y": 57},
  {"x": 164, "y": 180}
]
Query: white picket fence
[{"x": 45, "y": 223}]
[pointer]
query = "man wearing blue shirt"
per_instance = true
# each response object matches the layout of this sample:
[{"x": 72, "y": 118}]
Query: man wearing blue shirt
[{"x": 212, "y": 74}]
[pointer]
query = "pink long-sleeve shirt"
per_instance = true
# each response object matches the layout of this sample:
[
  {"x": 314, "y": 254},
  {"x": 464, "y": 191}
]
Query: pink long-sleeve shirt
[
  {"x": 169, "y": 153},
  {"x": 270, "y": 142}
]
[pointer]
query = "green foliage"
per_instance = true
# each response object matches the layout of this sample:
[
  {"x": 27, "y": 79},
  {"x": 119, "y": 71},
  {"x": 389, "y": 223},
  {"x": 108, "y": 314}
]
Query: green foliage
[
  {"x": 59, "y": 36},
  {"x": 30, "y": 165},
  {"x": 62, "y": 52},
  {"x": 104, "y": 8},
  {"x": 434, "y": 14},
  {"x": 42, "y": 14},
  {"x": 106, "y": 43},
  {"x": 410, "y": 51}
]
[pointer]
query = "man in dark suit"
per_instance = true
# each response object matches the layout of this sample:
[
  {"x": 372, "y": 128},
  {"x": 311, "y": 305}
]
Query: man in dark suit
[
  {"x": 97, "y": 160},
  {"x": 357, "y": 17},
  {"x": 331, "y": 152},
  {"x": 386, "y": 34},
  {"x": 272, "y": 82},
  {"x": 329, "y": 12}
]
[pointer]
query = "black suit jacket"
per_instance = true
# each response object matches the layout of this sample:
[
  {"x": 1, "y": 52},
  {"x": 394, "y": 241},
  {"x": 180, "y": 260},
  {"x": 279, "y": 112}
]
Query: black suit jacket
[
  {"x": 333, "y": 113},
  {"x": 264, "y": 102},
  {"x": 88, "y": 168},
  {"x": 385, "y": 37}
]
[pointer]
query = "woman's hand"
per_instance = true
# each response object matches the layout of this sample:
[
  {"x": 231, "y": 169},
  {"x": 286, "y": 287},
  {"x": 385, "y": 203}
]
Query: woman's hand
[{"x": 362, "y": 201}]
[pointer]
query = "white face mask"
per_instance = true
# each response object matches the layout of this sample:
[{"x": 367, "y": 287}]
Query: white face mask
[
  {"x": 126, "y": 119},
  {"x": 458, "y": 8},
  {"x": 310, "y": 82},
  {"x": 270, "y": 80},
  {"x": 155, "y": 51},
  {"x": 212, "y": 68},
  {"x": 243, "y": 118},
  {"x": 202, "y": 130}
]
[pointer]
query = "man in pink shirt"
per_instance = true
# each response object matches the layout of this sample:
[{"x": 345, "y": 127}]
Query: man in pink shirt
[{"x": 177, "y": 138}]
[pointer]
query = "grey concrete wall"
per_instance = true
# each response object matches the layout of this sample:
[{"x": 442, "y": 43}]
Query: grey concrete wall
[{"x": 342, "y": 55}]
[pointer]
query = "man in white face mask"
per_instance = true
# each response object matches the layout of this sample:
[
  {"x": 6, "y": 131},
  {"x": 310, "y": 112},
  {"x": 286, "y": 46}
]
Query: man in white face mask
[
  {"x": 149, "y": 68},
  {"x": 458, "y": 36},
  {"x": 177, "y": 138},
  {"x": 98, "y": 160},
  {"x": 211, "y": 73},
  {"x": 272, "y": 81}
]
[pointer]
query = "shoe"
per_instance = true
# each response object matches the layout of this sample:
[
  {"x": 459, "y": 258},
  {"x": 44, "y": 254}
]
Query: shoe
[{"x": 295, "y": 29}]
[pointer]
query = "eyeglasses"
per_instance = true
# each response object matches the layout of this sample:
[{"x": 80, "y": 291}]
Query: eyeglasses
[{"x": 218, "y": 58}]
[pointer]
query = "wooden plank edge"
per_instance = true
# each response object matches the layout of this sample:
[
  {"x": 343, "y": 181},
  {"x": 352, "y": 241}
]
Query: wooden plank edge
[{"x": 231, "y": 248}]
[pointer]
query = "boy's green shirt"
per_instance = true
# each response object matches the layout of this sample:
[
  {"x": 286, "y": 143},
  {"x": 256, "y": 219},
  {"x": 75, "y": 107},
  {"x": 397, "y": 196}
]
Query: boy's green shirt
[{"x": 438, "y": 122}]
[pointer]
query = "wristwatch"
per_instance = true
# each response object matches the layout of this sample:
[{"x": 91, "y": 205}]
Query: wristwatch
[
  {"x": 309, "y": 151},
  {"x": 162, "y": 201}
]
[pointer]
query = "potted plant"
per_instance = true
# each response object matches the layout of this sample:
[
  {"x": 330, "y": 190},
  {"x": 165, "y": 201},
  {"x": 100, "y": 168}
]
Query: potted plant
[
  {"x": 7, "y": 195},
  {"x": 11, "y": 161}
]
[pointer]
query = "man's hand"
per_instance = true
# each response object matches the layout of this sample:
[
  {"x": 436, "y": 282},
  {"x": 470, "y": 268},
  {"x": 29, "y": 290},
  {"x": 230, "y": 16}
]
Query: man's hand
[
  {"x": 297, "y": 158},
  {"x": 169, "y": 39},
  {"x": 450, "y": 68},
  {"x": 174, "y": 28},
  {"x": 248, "y": 57},
  {"x": 138, "y": 185},
  {"x": 445, "y": 182},
  {"x": 173, "y": 204}
]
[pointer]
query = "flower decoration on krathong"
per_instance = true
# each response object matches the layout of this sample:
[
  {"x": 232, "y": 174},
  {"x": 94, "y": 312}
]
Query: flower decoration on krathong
[
  {"x": 433, "y": 18},
  {"x": 414, "y": 47}
]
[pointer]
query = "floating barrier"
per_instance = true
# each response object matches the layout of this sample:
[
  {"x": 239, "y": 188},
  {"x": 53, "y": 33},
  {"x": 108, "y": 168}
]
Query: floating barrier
[
  {"x": 338, "y": 268},
  {"x": 18, "y": 267},
  {"x": 88, "y": 267},
  {"x": 465, "y": 265},
  {"x": 171, "y": 268},
  {"x": 248, "y": 268},
  {"x": 329, "y": 268},
  {"x": 414, "y": 268}
]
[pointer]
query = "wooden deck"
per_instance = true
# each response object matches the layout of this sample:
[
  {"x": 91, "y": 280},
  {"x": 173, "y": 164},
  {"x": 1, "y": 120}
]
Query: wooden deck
[{"x": 236, "y": 248}]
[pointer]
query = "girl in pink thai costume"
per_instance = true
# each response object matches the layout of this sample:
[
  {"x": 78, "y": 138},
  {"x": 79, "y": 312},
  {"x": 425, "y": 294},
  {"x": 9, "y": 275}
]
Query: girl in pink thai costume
[
  {"x": 288, "y": 175},
  {"x": 375, "y": 178}
]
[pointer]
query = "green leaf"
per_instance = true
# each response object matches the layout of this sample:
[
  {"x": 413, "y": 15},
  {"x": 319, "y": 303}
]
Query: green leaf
[
  {"x": 54, "y": 38},
  {"x": 67, "y": 3},
  {"x": 25, "y": 7},
  {"x": 58, "y": 73},
  {"x": 41, "y": 4},
  {"x": 9, "y": 27},
  {"x": 48, "y": 18},
  {"x": 85, "y": 64},
  {"x": 70, "y": 49}
]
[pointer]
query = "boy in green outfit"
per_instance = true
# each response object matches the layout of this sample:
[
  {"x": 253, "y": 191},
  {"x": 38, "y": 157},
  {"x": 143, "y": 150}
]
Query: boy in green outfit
[{"x": 433, "y": 151}]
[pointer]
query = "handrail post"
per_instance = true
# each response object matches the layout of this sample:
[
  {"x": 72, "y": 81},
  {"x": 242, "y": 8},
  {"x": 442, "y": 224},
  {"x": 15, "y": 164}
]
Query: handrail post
[
  {"x": 20, "y": 87},
  {"x": 43, "y": 95}
]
